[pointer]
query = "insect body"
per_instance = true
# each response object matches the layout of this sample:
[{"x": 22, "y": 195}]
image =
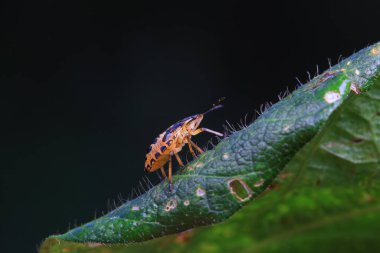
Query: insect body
[{"x": 171, "y": 141}]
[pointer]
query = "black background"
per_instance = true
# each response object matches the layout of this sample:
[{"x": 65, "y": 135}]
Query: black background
[{"x": 85, "y": 87}]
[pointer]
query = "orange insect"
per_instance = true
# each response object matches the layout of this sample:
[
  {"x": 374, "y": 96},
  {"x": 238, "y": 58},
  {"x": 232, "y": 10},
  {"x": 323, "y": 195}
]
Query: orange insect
[{"x": 171, "y": 141}]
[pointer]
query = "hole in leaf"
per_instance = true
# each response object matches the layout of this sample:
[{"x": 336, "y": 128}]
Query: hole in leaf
[
  {"x": 172, "y": 204},
  {"x": 357, "y": 140},
  {"x": 239, "y": 189}
]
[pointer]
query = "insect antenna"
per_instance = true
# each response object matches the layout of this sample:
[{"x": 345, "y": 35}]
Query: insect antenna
[
  {"x": 219, "y": 101},
  {"x": 213, "y": 109},
  {"x": 215, "y": 106}
]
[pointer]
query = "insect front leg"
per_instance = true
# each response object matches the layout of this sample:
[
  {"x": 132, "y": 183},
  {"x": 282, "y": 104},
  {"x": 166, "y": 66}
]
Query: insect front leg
[
  {"x": 170, "y": 172},
  {"x": 191, "y": 145},
  {"x": 202, "y": 129}
]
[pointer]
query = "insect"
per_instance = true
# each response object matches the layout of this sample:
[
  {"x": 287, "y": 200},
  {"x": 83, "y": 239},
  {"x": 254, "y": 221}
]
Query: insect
[{"x": 171, "y": 142}]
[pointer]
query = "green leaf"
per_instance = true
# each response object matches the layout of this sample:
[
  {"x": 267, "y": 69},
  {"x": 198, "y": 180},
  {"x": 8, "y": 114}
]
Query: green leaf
[{"x": 319, "y": 197}]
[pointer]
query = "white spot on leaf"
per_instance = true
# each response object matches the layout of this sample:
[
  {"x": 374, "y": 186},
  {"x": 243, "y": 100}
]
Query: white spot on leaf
[
  {"x": 375, "y": 50},
  {"x": 200, "y": 192},
  {"x": 331, "y": 97},
  {"x": 199, "y": 165},
  {"x": 172, "y": 204}
]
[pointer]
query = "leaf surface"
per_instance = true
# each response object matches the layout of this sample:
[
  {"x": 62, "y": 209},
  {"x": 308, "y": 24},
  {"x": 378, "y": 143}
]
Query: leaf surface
[{"x": 329, "y": 187}]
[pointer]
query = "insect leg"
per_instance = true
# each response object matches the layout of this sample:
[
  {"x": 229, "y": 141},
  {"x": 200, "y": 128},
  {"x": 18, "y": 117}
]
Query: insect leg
[
  {"x": 191, "y": 148},
  {"x": 178, "y": 159},
  {"x": 200, "y": 130},
  {"x": 192, "y": 144},
  {"x": 163, "y": 172},
  {"x": 170, "y": 173}
]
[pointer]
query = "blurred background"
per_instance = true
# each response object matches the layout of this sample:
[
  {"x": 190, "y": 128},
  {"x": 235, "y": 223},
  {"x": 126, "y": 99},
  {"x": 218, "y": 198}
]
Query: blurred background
[{"x": 86, "y": 87}]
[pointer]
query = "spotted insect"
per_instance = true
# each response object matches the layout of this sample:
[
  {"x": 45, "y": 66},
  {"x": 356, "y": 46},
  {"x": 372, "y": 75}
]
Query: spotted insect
[{"x": 171, "y": 142}]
